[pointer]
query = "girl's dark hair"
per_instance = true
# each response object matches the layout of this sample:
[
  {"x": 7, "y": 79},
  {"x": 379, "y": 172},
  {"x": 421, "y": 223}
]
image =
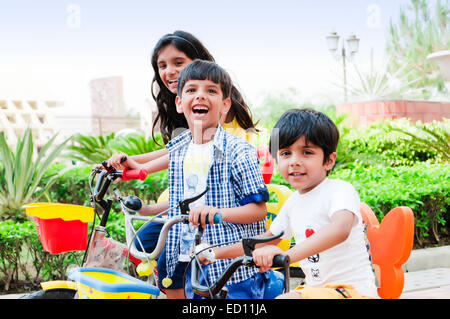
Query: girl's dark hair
[
  {"x": 205, "y": 70},
  {"x": 317, "y": 128},
  {"x": 167, "y": 115}
]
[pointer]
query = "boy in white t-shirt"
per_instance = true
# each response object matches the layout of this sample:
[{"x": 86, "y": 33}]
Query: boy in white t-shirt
[{"x": 322, "y": 215}]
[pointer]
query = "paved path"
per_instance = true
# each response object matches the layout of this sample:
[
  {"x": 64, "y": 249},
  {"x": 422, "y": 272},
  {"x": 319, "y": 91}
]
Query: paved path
[{"x": 427, "y": 284}]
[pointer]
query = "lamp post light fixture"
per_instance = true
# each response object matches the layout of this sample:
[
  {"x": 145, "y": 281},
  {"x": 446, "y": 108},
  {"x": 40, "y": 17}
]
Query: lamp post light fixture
[{"x": 352, "y": 47}]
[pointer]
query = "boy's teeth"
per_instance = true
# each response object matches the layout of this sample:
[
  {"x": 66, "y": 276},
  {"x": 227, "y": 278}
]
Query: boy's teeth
[{"x": 200, "y": 109}]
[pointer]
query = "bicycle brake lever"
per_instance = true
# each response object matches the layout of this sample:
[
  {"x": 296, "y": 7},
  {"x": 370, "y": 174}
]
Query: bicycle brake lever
[
  {"x": 113, "y": 174},
  {"x": 109, "y": 169},
  {"x": 250, "y": 243},
  {"x": 184, "y": 204}
]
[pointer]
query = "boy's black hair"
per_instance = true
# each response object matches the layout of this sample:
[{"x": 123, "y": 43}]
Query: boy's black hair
[
  {"x": 317, "y": 128},
  {"x": 205, "y": 70}
]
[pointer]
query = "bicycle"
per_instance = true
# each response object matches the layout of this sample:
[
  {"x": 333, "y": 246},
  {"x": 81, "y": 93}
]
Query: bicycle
[{"x": 130, "y": 205}]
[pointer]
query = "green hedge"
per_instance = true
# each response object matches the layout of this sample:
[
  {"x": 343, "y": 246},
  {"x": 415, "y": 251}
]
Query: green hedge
[
  {"x": 378, "y": 144},
  {"x": 389, "y": 147},
  {"x": 424, "y": 187},
  {"x": 23, "y": 260}
]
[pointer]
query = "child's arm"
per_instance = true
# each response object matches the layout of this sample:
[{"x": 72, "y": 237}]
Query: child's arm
[
  {"x": 152, "y": 162},
  {"x": 329, "y": 236},
  {"x": 156, "y": 165},
  {"x": 151, "y": 210},
  {"x": 144, "y": 158},
  {"x": 246, "y": 214}
]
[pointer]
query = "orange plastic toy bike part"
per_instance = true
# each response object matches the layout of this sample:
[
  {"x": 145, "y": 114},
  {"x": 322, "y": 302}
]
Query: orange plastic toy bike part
[{"x": 391, "y": 243}]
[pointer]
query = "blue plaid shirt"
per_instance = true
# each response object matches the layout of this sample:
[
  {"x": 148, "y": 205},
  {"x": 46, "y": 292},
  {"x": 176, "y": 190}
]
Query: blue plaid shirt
[{"x": 234, "y": 179}]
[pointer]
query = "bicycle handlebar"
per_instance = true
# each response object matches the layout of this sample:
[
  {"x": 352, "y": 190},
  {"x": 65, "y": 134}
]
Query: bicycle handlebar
[
  {"x": 215, "y": 291},
  {"x": 217, "y": 219},
  {"x": 282, "y": 261}
]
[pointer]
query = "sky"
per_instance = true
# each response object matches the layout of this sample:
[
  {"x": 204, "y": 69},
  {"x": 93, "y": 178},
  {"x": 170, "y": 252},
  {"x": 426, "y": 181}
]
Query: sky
[{"x": 52, "y": 49}]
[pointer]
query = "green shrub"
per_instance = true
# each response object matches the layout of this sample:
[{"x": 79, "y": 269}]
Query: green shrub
[
  {"x": 424, "y": 187},
  {"x": 428, "y": 136},
  {"x": 22, "y": 258},
  {"x": 377, "y": 144},
  {"x": 11, "y": 236}
]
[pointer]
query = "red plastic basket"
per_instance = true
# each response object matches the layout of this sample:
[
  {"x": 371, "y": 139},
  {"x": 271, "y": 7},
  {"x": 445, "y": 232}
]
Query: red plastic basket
[{"x": 61, "y": 227}]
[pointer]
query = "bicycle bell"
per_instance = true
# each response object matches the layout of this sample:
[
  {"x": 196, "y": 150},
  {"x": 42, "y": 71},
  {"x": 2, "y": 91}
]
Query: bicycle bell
[{"x": 132, "y": 204}]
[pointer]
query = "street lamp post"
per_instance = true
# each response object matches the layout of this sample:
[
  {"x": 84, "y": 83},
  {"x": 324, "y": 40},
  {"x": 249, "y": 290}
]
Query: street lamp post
[{"x": 352, "y": 46}]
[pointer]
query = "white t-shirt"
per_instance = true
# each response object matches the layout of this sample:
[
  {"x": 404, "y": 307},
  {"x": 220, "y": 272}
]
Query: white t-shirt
[
  {"x": 195, "y": 170},
  {"x": 346, "y": 263}
]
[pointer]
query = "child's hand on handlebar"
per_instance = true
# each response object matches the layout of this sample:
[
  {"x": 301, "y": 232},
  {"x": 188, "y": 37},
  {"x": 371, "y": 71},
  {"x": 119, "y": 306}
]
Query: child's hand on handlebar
[
  {"x": 119, "y": 161},
  {"x": 263, "y": 257},
  {"x": 200, "y": 213}
]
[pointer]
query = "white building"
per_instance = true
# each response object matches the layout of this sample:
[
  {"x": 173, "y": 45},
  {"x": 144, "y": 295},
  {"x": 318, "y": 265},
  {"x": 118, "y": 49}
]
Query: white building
[{"x": 17, "y": 115}]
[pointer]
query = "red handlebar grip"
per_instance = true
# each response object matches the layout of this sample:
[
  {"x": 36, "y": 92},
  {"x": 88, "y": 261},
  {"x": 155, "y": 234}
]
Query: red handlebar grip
[{"x": 128, "y": 174}]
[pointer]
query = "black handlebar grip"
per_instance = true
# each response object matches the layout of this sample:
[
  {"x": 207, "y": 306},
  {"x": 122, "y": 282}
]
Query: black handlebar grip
[{"x": 281, "y": 261}]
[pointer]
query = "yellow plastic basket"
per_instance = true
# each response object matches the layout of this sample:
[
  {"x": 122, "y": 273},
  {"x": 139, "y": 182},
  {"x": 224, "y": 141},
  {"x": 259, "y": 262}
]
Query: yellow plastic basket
[
  {"x": 66, "y": 212},
  {"x": 103, "y": 283}
]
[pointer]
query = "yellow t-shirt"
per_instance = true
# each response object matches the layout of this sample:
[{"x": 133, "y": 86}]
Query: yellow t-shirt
[{"x": 234, "y": 128}]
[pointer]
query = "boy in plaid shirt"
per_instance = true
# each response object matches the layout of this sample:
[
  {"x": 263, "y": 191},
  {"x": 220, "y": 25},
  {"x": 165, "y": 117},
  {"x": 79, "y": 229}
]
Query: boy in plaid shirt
[{"x": 207, "y": 156}]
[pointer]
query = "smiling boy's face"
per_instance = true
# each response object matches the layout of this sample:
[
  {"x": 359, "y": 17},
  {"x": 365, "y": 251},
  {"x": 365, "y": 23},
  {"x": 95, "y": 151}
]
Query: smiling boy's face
[
  {"x": 302, "y": 164},
  {"x": 203, "y": 105}
]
